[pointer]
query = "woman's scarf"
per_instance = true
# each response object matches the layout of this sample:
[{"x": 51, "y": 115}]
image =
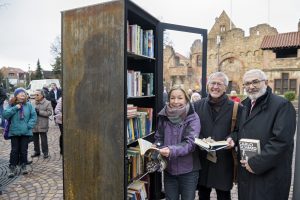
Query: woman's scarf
[
  {"x": 21, "y": 110},
  {"x": 177, "y": 115}
]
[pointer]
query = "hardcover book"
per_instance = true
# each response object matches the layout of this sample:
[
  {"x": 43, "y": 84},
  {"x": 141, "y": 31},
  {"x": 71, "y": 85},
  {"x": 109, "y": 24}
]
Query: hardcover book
[
  {"x": 249, "y": 148},
  {"x": 210, "y": 145}
]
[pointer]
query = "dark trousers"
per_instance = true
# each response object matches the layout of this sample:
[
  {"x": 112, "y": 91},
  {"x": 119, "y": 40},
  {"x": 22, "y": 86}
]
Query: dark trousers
[
  {"x": 183, "y": 185},
  {"x": 61, "y": 138},
  {"x": 19, "y": 150},
  {"x": 204, "y": 193},
  {"x": 44, "y": 141}
]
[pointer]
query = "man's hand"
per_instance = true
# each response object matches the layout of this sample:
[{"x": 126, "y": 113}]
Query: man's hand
[
  {"x": 18, "y": 106},
  {"x": 165, "y": 151},
  {"x": 230, "y": 143},
  {"x": 246, "y": 165}
]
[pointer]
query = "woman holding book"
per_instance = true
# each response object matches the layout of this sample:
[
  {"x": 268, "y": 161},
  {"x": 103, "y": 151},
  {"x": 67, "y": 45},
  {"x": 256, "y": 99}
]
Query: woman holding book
[{"x": 178, "y": 126}]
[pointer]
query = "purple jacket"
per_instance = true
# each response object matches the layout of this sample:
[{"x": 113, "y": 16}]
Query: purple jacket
[{"x": 180, "y": 139}]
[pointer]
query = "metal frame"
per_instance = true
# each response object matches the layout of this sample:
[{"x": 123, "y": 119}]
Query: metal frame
[{"x": 162, "y": 27}]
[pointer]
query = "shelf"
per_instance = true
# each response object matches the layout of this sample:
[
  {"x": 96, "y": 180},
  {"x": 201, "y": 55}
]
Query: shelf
[
  {"x": 141, "y": 97},
  {"x": 134, "y": 141},
  {"x": 139, "y": 57}
]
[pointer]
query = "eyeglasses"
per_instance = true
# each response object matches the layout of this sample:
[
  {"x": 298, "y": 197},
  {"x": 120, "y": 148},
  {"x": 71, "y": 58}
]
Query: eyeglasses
[
  {"x": 219, "y": 84},
  {"x": 255, "y": 83}
]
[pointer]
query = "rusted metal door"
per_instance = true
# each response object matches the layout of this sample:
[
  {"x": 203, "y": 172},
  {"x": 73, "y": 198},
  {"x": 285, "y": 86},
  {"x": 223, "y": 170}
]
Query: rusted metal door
[{"x": 93, "y": 101}]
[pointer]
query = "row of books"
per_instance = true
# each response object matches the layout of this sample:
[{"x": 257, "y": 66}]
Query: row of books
[
  {"x": 135, "y": 164},
  {"x": 137, "y": 191},
  {"x": 139, "y": 122},
  {"x": 140, "y": 41},
  {"x": 139, "y": 84}
]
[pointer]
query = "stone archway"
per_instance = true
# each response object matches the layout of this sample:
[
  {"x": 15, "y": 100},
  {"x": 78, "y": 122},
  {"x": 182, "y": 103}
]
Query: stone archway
[{"x": 234, "y": 69}]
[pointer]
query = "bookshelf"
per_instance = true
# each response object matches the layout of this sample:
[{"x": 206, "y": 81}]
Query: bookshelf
[{"x": 102, "y": 75}]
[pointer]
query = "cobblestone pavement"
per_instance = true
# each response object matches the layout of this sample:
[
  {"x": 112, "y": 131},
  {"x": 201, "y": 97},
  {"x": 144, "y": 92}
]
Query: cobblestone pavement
[{"x": 45, "y": 179}]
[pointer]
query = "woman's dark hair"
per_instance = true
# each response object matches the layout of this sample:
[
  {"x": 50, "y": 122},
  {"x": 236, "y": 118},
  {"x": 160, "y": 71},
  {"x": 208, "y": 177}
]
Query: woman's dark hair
[{"x": 41, "y": 91}]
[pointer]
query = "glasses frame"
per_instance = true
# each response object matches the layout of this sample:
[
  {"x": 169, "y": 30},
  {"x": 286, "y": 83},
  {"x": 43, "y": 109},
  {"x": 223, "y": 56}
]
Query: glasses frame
[
  {"x": 255, "y": 83},
  {"x": 213, "y": 83}
]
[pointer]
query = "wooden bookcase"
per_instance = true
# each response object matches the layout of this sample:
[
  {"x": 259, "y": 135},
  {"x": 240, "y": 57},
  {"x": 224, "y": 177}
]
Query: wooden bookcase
[{"x": 95, "y": 64}]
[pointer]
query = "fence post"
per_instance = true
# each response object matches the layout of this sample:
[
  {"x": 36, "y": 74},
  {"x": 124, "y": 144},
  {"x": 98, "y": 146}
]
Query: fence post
[{"x": 296, "y": 192}]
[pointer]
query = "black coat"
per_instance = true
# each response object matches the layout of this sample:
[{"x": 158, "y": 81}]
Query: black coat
[
  {"x": 216, "y": 175},
  {"x": 273, "y": 122},
  {"x": 3, "y": 95},
  {"x": 52, "y": 97}
]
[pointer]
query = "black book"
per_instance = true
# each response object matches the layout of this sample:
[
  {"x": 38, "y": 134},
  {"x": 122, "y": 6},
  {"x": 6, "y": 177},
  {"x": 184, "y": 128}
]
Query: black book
[{"x": 249, "y": 148}]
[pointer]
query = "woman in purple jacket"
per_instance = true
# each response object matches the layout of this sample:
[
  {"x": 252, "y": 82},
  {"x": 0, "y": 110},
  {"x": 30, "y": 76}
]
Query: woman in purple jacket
[{"x": 178, "y": 126}]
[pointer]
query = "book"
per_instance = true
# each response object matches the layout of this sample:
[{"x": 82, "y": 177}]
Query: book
[
  {"x": 145, "y": 146},
  {"x": 210, "y": 145},
  {"x": 249, "y": 148}
]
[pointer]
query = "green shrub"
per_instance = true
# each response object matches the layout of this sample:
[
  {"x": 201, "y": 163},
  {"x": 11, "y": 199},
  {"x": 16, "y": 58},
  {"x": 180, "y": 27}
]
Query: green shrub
[{"x": 290, "y": 95}]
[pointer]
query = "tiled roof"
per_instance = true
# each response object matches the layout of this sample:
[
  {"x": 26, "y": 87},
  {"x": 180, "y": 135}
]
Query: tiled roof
[{"x": 283, "y": 40}]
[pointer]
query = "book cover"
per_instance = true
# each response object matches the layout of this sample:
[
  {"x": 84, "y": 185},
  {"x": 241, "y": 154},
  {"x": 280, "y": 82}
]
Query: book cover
[
  {"x": 145, "y": 146},
  {"x": 249, "y": 148},
  {"x": 210, "y": 145}
]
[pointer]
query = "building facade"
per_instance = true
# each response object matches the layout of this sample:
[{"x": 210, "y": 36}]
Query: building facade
[
  {"x": 14, "y": 76},
  {"x": 233, "y": 53}
]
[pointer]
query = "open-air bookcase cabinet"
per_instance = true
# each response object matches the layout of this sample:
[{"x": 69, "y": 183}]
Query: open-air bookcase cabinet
[{"x": 98, "y": 67}]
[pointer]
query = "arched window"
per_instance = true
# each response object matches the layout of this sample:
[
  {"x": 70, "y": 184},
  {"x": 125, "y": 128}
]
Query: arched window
[{"x": 199, "y": 61}]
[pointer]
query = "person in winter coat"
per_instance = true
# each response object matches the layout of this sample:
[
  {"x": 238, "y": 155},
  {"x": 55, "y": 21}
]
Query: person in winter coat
[
  {"x": 43, "y": 110},
  {"x": 46, "y": 92},
  {"x": 178, "y": 126},
  {"x": 54, "y": 94},
  {"x": 215, "y": 112},
  {"x": 58, "y": 120},
  {"x": 3, "y": 97},
  {"x": 272, "y": 120},
  {"x": 22, "y": 117},
  {"x": 234, "y": 97}
]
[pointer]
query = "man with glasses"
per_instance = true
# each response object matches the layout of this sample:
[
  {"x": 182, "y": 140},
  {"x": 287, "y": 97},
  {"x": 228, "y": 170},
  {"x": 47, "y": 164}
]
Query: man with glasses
[
  {"x": 215, "y": 112},
  {"x": 271, "y": 120}
]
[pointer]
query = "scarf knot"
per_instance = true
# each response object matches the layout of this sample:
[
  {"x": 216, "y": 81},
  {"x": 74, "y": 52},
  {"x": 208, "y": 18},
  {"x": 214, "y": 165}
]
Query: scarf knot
[{"x": 177, "y": 115}]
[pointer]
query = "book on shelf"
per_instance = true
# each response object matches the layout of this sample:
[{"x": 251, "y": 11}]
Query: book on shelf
[
  {"x": 210, "y": 145},
  {"x": 249, "y": 148},
  {"x": 147, "y": 84},
  {"x": 135, "y": 163},
  {"x": 149, "y": 118},
  {"x": 139, "y": 122},
  {"x": 137, "y": 190},
  {"x": 139, "y": 84},
  {"x": 139, "y": 41}
]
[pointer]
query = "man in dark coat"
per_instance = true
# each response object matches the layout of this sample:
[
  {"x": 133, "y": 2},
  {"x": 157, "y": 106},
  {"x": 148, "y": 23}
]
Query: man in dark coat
[
  {"x": 215, "y": 112},
  {"x": 3, "y": 97},
  {"x": 54, "y": 94},
  {"x": 272, "y": 120}
]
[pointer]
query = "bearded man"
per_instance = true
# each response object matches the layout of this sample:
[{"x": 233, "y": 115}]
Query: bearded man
[{"x": 270, "y": 119}]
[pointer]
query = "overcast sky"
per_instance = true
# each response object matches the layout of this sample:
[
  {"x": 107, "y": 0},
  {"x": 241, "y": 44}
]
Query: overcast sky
[{"x": 28, "y": 27}]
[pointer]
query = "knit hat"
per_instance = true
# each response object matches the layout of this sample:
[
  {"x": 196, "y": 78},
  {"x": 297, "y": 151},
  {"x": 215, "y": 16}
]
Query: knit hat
[{"x": 19, "y": 90}]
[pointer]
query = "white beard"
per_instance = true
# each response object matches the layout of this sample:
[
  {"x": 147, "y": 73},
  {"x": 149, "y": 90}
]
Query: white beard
[{"x": 258, "y": 94}]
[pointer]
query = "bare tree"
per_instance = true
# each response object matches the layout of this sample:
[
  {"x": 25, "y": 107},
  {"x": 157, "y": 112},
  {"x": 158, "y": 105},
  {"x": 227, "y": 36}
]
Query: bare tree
[
  {"x": 3, "y": 4},
  {"x": 56, "y": 53}
]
